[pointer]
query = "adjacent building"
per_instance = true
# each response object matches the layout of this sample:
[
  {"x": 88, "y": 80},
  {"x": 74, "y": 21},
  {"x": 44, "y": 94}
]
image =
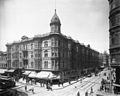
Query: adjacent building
[
  {"x": 104, "y": 59},
  {"x": 114, "y": 31},
  {"x": 114, "y": 19},
  {"x": 3, "y": 60},
  {"x": 53, "y": 52}
]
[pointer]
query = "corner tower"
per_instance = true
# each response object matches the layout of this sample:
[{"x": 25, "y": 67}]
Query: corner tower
[
  {"x": 55, "y": 24},
  {"x": 114, "y": 34},
  {"x": 114, "y": 19}
]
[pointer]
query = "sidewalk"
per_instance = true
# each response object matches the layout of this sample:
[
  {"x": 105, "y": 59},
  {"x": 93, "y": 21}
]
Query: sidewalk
[
  {"x": 106, "y": 93},
  {"x": 103, "y": 93},
  {"x": 54, "y": 87}
]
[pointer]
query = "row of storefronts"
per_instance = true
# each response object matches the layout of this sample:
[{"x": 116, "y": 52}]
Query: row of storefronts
[
  {"x": 43, "y": 75},
  {"x": 54, "y": 76}
]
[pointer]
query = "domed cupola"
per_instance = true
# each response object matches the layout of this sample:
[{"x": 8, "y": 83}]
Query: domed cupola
[{"x": 55, "y": 24}]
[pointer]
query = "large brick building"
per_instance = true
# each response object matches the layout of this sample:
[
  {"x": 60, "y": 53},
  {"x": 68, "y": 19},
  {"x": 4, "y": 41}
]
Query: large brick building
[
  {"x": 53, "y": 52},
  {"x": 114, "y": 18}
]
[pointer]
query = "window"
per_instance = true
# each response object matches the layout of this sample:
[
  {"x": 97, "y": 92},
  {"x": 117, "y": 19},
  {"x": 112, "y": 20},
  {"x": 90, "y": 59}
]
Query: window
[
  {"x": 52, "y": 28},
  {"x": 52, "y": 54},
  {"x": 20, "y": 55},
  {"x": 46, "y": 44},
  {"x": 45, "y": 53},
  {"x": 56, "y": 63},
  {"x": 31, "y": 46},
  {"x": 63, "y": 64},
  {"x": 52, "y": 42},
  {"x": 12, "y": 49},
  {"x": 55, "y": 42},
  {"x": 36, "y": 44},
  {"x": 112, "y": 40},
  {"x": 36, "y": 55},
  {"x": 55, "y": 54},
  {"x": 45, "y": 64},
  {"x": 31, "y": 64},
  {"x": 31, "y": 54},
  {"x": 23, "y": 47},
  {"x": 39, "y": 55},
  {"x": 77, "y": 48},
  {"x": 69, "y": 46},
  {"x": 13, "y": 55},
  {"x": 52, "y": 64},
  {"x": 20, "y": 47},
  {"x": 20, "y": 64}
]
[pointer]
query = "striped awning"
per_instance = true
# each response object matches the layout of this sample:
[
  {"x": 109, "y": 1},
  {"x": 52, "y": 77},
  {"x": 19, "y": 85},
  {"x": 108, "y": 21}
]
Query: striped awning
[
  {"x": 47, "y": 75},
  {"x": 32, "y": 74},
  {"x": 2, "y": 71},
  {"x": 11, "y": 70},
  {"x": 27, "y": 72}
]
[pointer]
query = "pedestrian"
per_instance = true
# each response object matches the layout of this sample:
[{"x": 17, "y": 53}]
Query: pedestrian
[
  {"x": 69, "y": 82},
  {"x": 33, "y": 90},
  {"x": 86, "y": 93},
  {"x": 25, "y": 87},
  {"x": 81, "y": 80},
  {"x": 91, "y": 90},
  {"x": 62, "y": 83},
  {"x": 41, "y": 83},
  {"x": 101, "y": 88},
  {"x": 105, "y": 88},
  {"x": 49, "y": 87},
  {"x": 78, "y": 94},
  {"x": 59, "y": 84}
]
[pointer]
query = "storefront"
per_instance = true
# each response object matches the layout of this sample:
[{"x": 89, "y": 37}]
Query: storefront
[
  {"x": 26, "y": 74},
  {"x": 9, "y": 72},
  {"x": 46, "y": 76},
  {"x": 32, "y": 77},
  {"x": 2, "y": 71}
]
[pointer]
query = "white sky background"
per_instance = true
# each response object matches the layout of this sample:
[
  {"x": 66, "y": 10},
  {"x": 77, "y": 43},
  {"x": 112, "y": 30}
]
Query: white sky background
[{"x": 83, "y": 20}]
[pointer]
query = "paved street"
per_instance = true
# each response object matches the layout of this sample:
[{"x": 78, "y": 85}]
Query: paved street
[{"x": 72, "y": 89}]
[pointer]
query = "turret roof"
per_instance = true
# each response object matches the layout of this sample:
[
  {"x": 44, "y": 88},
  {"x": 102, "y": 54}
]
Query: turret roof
[{"x": 55, "y": 18}]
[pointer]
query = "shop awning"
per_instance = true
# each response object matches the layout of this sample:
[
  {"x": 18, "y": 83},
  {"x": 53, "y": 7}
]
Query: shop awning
[
  {"x": 47, "y": 75},
  {"x": 42, "y": 74},
  {"x": 27, "y": 72},
  {"x": 2, "y": 71},
  {"x": 11, "y": 70},
  {"x": 32, "y": 74},
  {"x": 53, "y": 76}
]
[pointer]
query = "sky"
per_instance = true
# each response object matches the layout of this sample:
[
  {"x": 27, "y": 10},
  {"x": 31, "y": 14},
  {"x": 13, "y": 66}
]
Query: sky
[{"x": 84, "y": 20}]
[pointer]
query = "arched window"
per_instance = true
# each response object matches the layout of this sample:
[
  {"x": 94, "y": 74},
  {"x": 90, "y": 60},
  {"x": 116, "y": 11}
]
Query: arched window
[
  {"x": 31, "y": 64},
  {"x": 46, "y": 53},
  {"x": 45, "y": 64},
  {"x": 52, "y": 42},
  {"x": 46, "y": 44}
]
